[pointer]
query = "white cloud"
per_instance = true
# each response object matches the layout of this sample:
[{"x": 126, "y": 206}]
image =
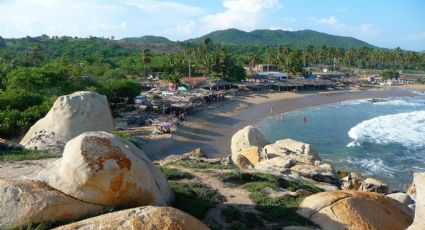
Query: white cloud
[
  {"x": 280, "y": 28},
  {"x": 331, "y": 21},
  {"x": 369, "y": 30},
  {"x": 416, "y": 37},
  {"x": 241, "y": 14}
]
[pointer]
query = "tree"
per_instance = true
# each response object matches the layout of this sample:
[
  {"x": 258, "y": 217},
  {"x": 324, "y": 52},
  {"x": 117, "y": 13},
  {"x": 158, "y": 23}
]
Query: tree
[
  {"x": 35, "y": 55},
  {"x": 173, "y": 77},
  {"x": 253, "y": 60},
  {"x": 389, "y": 74},
  {"x": 2, "y": 42},
  {"x": 118, "y": 89},
  {"x": 146, "y": 59}
]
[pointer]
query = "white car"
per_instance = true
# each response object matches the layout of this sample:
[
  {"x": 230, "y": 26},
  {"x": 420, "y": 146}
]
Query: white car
[{"x": 167, "y": 93}]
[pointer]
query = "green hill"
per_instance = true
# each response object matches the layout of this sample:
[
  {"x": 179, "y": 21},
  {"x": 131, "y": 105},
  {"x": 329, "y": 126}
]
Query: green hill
[
  {"x": 154, "y": 43},
  {"x": 278, "y": 37}
]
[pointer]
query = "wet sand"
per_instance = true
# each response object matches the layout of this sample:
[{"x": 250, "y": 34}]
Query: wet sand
[{"x": 212, "y": 128}]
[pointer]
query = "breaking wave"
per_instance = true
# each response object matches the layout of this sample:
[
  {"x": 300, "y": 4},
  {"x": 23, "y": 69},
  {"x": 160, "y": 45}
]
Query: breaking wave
[{"x": 406, "y": 129}]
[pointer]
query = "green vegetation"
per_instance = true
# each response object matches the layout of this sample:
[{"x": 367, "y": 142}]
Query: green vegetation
[
  {"x": 174, "y": 174},
  {"x": 389, "y": 74},
  {"x": 20, "y": 155},
  {"x": 195, "y": 198},
  {"x": 127, "y": 136},
  {"x": 278, "y": 37},
  {"x": 203, "y": 165},
  {"x": 273, "y": 208},
  {"x": 241, "y": 178},
  {"x": 36, "y": 70},
  {"x": 41, "y": 226},
  {"x": 230, "y": 214}
]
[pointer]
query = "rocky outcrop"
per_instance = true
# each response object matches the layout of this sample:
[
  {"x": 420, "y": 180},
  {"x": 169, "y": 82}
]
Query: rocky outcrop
[
  {"x": 373, "y": 185},
  {"x": 6, "y": 145},
  {"x": 318, "y": 172},
  {"x": 70, "y": 116},
  {"x": 355, "y": 210},
  {"x": 103, "y": 169},
  {"x": 292, "y": 150},
  {"x": 23, "y": 202},
  {"x": 245, "y": 138},
  {"x": 248, "y": 157},
  {"x": 148, "y": 217},
  {"x": 419, "y": 182},
  {"x": 352, "y": 181}
]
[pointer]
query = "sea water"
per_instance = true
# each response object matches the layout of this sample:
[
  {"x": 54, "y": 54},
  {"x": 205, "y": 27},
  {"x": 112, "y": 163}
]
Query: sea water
[{"x": 384, "y": 140}]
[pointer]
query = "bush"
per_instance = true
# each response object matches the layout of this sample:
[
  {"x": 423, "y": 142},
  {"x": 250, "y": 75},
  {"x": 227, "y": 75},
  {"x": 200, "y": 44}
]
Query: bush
[
  {"x": 116, "y": 90},
  {"x": 231, "y": 214}
]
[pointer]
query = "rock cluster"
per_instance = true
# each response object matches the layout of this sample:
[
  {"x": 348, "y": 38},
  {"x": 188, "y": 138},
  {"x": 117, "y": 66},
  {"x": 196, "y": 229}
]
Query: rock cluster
[
  {"x": 97, "y": 170},
  {"x": 251, "y": 150},
  {"x": 419, "y": 184},
  {"x": 70, "y": 116}
]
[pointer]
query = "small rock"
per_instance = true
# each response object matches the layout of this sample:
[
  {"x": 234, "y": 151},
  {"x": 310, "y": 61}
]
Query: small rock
[
  {"x": 374, "y": 185},
  {"x": 402, "y": 198}
]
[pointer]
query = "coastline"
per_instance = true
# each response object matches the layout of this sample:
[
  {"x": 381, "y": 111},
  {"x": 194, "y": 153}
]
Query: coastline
[{"x": 212, "y": 128}]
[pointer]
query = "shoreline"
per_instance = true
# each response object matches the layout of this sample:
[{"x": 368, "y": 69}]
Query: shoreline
[{"x": 212, "y": 128}]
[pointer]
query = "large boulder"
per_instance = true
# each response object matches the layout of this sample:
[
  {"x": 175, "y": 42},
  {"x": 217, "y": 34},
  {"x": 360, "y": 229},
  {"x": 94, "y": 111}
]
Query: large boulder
[
  {"x": 24, "y": 202},
  {"x": 373, "y": 185},
  {"x": 419, "y": 182},
  {"x": 356, "y": 211},
  {"x": 70, "y": 116},
  {"x": 245, "y": 138},
  {"x": 319, "y": 172},
  {"x": 292, "y": 150},
  {"x": 103, "y": 169},
  {"x": 147, "y": 217}
]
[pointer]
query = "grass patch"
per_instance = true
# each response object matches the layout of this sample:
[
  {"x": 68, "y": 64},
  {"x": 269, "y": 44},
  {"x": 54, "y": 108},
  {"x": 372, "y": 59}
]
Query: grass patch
[
  {"x": 20, "y": 155},
  {"x": 230, "y": 214},
  {"x": 174, "y": 174},
  {"x": 127, "y": 136},
  {"x": 202, "y": 165},
  {"x": 195, "y": 198},
  {"x": 41, "y": 226},
  {"x": 274, "y": 209},
  {"x": 241, "y": 178}
]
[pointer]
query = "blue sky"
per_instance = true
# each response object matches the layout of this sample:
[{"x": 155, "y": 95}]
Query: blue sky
[{"x": 389, "y": 23}]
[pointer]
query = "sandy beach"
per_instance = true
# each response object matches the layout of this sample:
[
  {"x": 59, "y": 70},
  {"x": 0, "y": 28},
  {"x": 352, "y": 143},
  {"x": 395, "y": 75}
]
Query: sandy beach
[{"x": 212, "y": 127}]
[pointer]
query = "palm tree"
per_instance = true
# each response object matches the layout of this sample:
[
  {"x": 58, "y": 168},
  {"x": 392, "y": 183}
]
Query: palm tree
[
  {"x": 146, "y": 58},
  {"x": 253, "y": 60},
  {"x": 35, "y": 55}
]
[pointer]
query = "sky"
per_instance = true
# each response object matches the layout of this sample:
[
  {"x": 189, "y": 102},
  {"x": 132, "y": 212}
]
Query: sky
[{"x": 384, "y": 23}]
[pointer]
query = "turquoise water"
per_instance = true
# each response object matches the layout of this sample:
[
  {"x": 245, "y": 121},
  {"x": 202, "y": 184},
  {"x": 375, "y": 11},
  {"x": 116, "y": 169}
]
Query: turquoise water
[{"x": 385, "y": 140}]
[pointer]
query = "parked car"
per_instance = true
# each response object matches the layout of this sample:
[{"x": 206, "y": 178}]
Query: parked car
[
  {"x": 167, "y": 93},
  {"x": 141, "y": 99}
]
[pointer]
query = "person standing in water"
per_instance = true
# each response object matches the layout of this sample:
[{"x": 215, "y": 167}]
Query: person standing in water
[
  {"x": 305, "y": 119},
  {"x": 271, "y": 110}
]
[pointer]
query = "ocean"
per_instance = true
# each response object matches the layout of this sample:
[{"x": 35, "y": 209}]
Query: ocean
[{"x": 384, "y": 140}]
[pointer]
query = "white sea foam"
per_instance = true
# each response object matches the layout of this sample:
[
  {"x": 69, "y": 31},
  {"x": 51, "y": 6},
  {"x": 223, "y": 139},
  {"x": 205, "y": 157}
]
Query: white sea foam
[
  {"x": 403, "y": 102},
  {"x": 373, "y": 166},
  {"x": 406, "y": 129}
]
